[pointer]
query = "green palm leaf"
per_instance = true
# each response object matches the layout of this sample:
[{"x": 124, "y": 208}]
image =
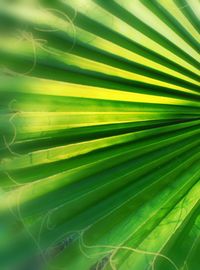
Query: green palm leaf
[{"x": 100, "y": 135}]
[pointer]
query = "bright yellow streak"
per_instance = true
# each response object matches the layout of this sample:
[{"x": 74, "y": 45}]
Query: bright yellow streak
[
  {"x": 48, "y": 87},
  {"x": 113, "y": 71}
]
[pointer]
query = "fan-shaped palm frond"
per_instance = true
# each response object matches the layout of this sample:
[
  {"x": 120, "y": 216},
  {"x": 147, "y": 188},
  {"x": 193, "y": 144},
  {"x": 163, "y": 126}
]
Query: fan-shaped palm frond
[{"x": 100, "y": 135}]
